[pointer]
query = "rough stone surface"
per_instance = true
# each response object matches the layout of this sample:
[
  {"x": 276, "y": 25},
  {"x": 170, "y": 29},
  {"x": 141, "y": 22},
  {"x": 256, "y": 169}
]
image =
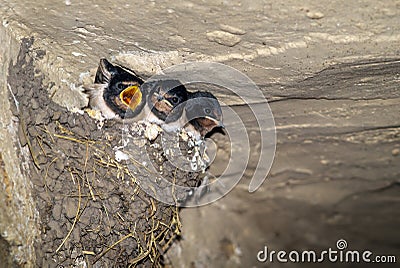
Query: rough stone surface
[
  {"x": 231, "y": 29},
  {"x": 223, "y": 38},
  {"x": 333, "y": 88},
  {"x": 315, "y": 15},
  {"x": 19, "y": 216}
]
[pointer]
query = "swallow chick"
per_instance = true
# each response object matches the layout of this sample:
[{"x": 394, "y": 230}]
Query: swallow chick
[
  {"x": 116, "y": 92},
  {"x": 203, "y": 114},
  {"x": 165, "y": 103}
]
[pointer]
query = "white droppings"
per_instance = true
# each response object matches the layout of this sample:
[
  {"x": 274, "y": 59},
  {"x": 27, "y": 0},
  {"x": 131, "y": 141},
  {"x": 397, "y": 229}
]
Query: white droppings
[
  {"x": 184, "y": 135},
  {"x": 152, "y": 132},
  {"x": 120, "y": 156},
  {"x": 78, "y": 54},
  {"x": 193, "y": 166},
  {"x": 77, "y": 110},
  {"x": 14, "y": 98}
]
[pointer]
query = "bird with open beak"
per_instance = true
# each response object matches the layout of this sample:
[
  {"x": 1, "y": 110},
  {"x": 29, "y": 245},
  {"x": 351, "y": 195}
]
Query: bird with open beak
[
  {"x": 203, "y": 114},
  {"x": 119, "y": 93},
  {"x": 116, "y": 92}
]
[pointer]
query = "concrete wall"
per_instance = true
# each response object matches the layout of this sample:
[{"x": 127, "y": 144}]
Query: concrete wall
[{"x": 19, "y": 217}]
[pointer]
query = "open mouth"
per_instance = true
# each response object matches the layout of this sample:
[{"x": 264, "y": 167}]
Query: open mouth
[
  {"x": 131, "y": 97},
  {"x": 212, "y": 122},
  {"x": 208, "y": 124}
]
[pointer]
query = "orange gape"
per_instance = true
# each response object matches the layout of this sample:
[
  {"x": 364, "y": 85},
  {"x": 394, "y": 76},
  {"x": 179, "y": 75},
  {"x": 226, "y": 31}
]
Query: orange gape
[{"x": 131, "y": 97}]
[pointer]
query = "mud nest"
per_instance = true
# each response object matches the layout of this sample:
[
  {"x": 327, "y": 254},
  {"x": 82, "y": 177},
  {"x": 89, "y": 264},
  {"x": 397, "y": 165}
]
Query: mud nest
[{"x": 93, "y": 212}]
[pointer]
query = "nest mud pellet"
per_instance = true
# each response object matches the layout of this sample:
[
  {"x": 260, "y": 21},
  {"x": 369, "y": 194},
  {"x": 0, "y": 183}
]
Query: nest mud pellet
[{"x": 93, "y": 212}]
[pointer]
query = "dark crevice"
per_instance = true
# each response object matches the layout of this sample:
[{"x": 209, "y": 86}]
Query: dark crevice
[{"x": 5, "y": 257}]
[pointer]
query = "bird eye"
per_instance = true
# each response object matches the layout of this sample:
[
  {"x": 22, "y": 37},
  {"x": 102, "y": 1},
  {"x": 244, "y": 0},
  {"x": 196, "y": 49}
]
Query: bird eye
[
  {"x": 175, "y": 100},
  {"x": 121, "y": 86},
  {"x": 207, "y": 110}
]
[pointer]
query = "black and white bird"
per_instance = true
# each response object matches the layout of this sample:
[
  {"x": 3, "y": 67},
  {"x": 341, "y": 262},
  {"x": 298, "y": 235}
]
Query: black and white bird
[
  {"x": 116, "y": 92},
  {"x": 203, "y": 113},
  {"x": 165, "y": 103},
  {"x": 119, "y": 93}
]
